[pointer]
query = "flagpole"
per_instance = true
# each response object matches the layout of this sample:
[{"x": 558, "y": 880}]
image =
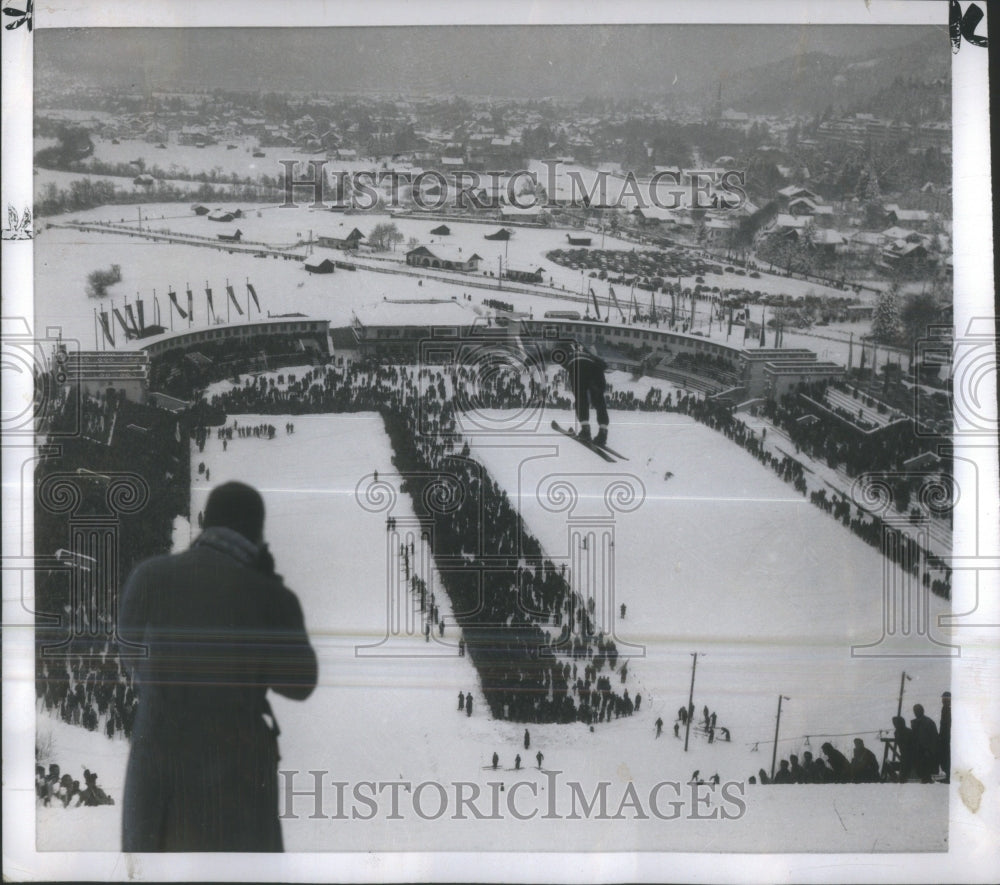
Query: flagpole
[
  {"x": 96, "y": 345},
  {"x": 690, "y": 707},
  {"x": 228, "y": 302},
  {"x": 777, "y": 725}
]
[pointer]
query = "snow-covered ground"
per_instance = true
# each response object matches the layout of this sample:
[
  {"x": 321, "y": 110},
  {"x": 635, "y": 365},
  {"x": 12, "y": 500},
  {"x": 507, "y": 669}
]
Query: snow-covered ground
[
  {"x": 721, "y": 558},
  {"x": 63, "y": 181},
  {"x": 65, "y": 257}
]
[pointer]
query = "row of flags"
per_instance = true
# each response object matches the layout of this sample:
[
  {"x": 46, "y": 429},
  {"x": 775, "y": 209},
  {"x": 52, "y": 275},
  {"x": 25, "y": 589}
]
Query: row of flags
[
  {"x": 742, "y": 315},
  {"x": 133, "y": 321}
]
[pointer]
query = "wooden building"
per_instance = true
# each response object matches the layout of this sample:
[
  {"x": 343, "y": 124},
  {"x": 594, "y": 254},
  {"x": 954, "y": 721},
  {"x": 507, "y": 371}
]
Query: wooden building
[
  {"x": 349, "y": 243},
  {"x": 423, "y": 256}
]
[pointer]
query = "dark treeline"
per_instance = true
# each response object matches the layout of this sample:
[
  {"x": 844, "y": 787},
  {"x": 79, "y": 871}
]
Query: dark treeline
[{"x": 89, "y": 193}]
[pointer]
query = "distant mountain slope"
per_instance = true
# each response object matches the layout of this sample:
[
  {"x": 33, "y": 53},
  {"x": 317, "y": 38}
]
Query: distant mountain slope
[{"x": 810, "y": 82}]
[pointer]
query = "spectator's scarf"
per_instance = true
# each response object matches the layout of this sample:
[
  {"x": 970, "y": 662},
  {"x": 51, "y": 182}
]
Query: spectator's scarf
[{"x": 230, "y": 542}]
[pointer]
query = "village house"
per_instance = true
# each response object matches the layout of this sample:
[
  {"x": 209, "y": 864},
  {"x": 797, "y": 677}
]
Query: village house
[
  {"x": 324, "y": 266},
  {"x": 422, "y": 256},
  {"x": 349, "y": 243},
  {"x": 524, "y": 276},
  {"x": 794, "y": 192},
  {"x": 914, "y": 218}
]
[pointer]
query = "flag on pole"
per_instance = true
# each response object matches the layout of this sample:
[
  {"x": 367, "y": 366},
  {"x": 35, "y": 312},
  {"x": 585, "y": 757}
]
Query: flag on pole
[
  {"x": 729, "y": 331},
  {"x": 121, "y": 321},
  {"x": 106, "y": 328},
  {"x": 131, "y": 318},
  {"x": 211, "y": 304},
  {"x": 232, "y": 296},
  {"x": 142, "y": 316},
  {"x": 190, "y": 306},
  {"x": 763, "y": 329},
  {"x": 253, "y": 295},
  {"x": 597, "y": 309},
  {"x": 173, "y": 300},
  {"x": 614, "y": 299},
  {"x": 156, "y": 309}
]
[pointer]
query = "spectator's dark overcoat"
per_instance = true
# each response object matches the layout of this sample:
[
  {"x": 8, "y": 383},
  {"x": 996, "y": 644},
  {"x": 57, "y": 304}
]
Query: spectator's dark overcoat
[{"x": 220, "y": 631}]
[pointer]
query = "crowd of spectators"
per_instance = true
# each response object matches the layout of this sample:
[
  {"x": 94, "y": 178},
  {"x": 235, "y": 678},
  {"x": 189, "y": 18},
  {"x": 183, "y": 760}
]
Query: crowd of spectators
[
  {"x": 918, "y": 751},
  {"x": 530, "y": 634},
  {"x": 53, "y": 788},
  {"x": 78, "y": 675}
]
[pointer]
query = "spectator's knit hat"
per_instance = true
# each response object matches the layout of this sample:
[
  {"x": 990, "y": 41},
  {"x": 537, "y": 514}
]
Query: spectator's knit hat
[
  {"x": 858, "y": 742},
  {"x": 236, "y": 506}
]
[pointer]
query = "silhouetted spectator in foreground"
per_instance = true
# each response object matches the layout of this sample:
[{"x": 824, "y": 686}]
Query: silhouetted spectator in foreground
[
  {"x": 220, "y": 629},
  {"x": 839, "y": 765},
  {"x": 864, "y": 764},
  {"x": 944, "y": 737},
  {"x": 41, "y": 791},
  {"x": 925, "y": 744},
  {"x": 797, "y": 772},
  {"x": 821, "y": 773},
  {"x": 92, "y": 794},
  {"x": 904, "y": 748},
  {"x": 783, "y": 775}
]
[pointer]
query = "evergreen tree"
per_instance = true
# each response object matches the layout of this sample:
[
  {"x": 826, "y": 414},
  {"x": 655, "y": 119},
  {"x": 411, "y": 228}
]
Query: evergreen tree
[{"x": 886, "y": 321}]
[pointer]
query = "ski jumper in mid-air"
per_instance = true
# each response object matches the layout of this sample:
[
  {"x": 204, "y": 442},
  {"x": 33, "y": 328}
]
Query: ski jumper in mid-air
[{"x": 586, "y": 379}]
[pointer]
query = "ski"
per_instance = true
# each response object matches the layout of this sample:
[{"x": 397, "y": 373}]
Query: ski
[
  {"x": 597, "y": 450},
  {"x": 611, "y": 451}
]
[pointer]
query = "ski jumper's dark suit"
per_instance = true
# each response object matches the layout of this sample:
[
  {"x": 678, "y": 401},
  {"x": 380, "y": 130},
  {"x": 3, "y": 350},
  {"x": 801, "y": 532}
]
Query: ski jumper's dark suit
[
  {"x": 586, "y": 379},
  {"x": 220, "y": 629}
]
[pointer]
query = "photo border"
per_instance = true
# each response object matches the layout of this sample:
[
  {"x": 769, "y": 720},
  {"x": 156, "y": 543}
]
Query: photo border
[{"x": 977, "y": 725}]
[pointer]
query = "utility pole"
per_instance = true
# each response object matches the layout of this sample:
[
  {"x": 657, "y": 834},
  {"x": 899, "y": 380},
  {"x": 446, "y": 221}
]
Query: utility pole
[
  {"x": 902, "y": 684},
  {"x": 690, "y": 706},
  {"x": 777, "y": 725}
]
